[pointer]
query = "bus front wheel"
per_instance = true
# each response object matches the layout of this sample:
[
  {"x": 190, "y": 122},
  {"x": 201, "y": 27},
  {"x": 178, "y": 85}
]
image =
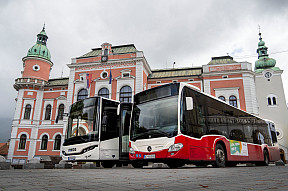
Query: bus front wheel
[
  {"x": 137, "y": 164},
  {"x": 175, "y": 164},
  {"x": 220, "y": 156}
]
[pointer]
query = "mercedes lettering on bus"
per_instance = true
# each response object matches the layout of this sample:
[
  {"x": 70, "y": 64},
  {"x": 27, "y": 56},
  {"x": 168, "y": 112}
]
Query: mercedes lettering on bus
[{"x": 177, "y": 124}]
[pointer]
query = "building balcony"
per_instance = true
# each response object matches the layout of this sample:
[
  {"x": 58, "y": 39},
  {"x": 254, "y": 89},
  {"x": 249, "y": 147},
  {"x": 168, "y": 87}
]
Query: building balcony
[{"x": 29, "y": 82}]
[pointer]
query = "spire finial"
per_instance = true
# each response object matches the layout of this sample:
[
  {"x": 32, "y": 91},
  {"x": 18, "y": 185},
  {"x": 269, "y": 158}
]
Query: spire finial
[
  {"x": 43, "y": 27},
  {"x": 259, "y": 28}
]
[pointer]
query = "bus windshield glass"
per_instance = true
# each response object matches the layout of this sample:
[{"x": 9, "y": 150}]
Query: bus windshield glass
[
  {"x": 156, "y": 118},
  {"x": 81, "y": 123}
]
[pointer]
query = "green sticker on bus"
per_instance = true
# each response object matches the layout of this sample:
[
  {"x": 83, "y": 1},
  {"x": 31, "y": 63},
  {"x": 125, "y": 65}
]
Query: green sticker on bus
[{"x": 238, "y": 148}]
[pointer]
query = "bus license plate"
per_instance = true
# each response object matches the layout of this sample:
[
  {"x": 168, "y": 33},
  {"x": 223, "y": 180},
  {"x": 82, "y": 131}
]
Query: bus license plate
[
  {"x": 149, "y": 156},
  {"x": 72, "y": 158}
]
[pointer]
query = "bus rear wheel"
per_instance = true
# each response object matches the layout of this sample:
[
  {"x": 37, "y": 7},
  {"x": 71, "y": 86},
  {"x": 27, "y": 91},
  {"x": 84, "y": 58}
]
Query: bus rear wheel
[
  {"x": 220, "y": 156},
  {"x": 265, "y": 162},
  {"x": 108, "y": 164}
]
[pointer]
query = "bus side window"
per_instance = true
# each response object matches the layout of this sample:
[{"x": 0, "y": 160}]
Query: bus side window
[
  {"x": 236, "y": 134},
  {"x": 248, "y": 131},
  {"x": 258, "y": 137}
]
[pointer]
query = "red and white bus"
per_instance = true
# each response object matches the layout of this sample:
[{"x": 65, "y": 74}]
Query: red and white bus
[{"x": 177, "y": 124}]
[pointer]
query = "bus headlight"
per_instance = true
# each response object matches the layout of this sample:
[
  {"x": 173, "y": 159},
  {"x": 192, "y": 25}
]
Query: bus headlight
[
  {"x": 131, "y": 151},
  {"x": 175, "y": 147}
]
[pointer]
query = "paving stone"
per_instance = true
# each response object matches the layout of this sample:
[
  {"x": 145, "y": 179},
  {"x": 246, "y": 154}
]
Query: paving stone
[
  {"x": 33, "y": 166},
  {"x": 5, "y": 166},
  {"x": 188, "y": 178}
]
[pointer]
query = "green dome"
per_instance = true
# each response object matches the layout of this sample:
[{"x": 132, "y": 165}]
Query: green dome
[
  {"x": 40, "y": 49},
  {"x": 261, "y": 43},
  {"x": 265, "y": 62}
]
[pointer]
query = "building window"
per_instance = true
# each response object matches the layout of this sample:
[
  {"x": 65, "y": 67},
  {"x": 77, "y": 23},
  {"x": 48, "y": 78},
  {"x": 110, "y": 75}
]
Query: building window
[
  {"x": 222, "y": 98},
  {"x": 44, "y": 142},
  {"x": 126, "y": 75},
  {"x": 82, "y": 94},
  {"x": 224, "y": 76},
  {"x": 104, "y": 92},
  {"x": 269, "y": 101},
  {"x": 57, "y": 142},
  {"x": 233, "y": 101},
  {"x": 60, "y": 111},
  {"x": 125, "y": 94},
  {"x": 272, "y": 101},
  {"x": 27, "y": 111},
  {"x": 104, "y": 75},
  {"x": 22, "y": 142},
  {"x": 105, "y": 52},
  {"x": 48, "y": 112}
]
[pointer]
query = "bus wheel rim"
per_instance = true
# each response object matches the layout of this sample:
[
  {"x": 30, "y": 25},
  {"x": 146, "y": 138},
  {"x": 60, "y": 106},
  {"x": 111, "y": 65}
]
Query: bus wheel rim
[{"x": 220, "y": 155}]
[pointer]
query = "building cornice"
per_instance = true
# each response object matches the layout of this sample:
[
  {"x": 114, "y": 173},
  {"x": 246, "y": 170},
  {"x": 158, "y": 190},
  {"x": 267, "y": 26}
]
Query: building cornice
[{"x": 37, "y": 58}]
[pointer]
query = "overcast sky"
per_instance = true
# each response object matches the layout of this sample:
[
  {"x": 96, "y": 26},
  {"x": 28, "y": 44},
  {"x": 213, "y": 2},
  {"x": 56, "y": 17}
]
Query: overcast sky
[{"x": 187, "y": 32}]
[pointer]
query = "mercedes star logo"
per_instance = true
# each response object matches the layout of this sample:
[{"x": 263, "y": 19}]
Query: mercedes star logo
[{"x": 149, "y": 148}]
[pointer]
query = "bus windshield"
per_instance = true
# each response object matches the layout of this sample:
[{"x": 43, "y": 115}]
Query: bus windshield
[
  {"x": 156, "y": 118},
  {"x": 81, "y": 122}
]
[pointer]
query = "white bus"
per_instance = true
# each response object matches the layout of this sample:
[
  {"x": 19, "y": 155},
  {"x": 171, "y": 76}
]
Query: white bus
[{"x": 98, "y": 131}]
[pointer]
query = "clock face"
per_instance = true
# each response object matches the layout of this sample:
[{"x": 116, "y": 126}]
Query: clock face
[
  {"x": 104, "y": 58},
  {"x": 268, "y": 75}
]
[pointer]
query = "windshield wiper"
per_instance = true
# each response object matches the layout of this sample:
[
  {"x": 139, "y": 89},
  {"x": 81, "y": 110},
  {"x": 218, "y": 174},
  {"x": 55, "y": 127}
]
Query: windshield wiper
[{"x": 151, "y": 132}]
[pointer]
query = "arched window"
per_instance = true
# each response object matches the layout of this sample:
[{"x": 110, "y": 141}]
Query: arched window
[
  {"x": 22, "y": 142},
  {"x": 27, "y": 111},
  {"x": 274, "y": 100},
  {"x": 222, "y": 98},
  {"x": 57, "y": 142},
  {"x": 48, "y": 112},
  {"x": 60, "y": 111},
  {"x": 104, "y": 92},
  {"x": 269, "y": 101},
  {"x": 125, "y": 94},
  {"x": 233, "y": 101},
  {"x": 82, "y": 94},
  {"x": 44, "y": 142}
]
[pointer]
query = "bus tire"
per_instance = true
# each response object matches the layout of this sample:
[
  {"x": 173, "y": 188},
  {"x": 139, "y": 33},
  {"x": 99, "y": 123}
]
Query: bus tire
[
  {"x": 137, "y": 164},
  {"x": 220, "y": 156},
  {"x": 266, "y": 158},
  {"x": 108, "y": 164},
  {"x": 175, "y": 164}
]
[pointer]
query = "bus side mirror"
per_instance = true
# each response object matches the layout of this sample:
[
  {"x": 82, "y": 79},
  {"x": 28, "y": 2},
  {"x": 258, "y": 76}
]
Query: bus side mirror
[{"x": 189, "y": 103}]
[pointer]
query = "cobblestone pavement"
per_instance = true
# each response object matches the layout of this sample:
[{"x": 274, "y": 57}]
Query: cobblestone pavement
[{"x": 186, "y": 178}]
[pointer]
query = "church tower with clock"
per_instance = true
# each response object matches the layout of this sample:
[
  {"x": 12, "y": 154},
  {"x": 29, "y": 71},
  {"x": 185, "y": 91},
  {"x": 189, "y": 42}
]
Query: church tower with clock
[{"x": 270, "y": 94}]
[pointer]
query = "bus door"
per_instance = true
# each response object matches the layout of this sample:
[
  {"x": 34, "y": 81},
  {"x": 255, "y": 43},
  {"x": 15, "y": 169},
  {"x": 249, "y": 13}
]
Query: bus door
[
  {"x": 124, "y": 115},
  {"x": 109, "y": 133},
  {"x": 274, "y": 149}
]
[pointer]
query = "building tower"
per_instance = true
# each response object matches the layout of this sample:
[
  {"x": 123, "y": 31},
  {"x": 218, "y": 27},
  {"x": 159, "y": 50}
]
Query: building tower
[
  {"x": 270, "y": 94},
  {"x": 35, "y": 75}
]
